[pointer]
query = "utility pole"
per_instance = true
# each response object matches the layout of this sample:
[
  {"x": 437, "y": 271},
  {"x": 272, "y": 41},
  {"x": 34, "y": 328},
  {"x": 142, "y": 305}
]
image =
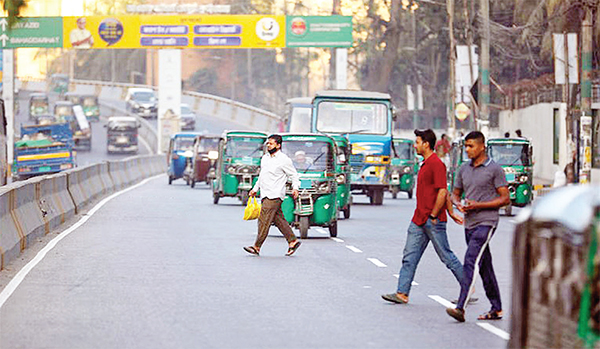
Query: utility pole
[
  {"x": 484, "y": 75},
  {"x": 452, "y": 74},
  {"x": 332, "y": 68},
  {"x": 469, "y": 37},
  {"x": 585, "y": 146}
]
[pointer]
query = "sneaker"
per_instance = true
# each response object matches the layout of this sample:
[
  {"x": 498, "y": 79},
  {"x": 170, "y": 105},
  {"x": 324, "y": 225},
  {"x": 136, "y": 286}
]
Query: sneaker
[
  {"x": 457, "y": 314},
  {"x": 394, "y": 298}
]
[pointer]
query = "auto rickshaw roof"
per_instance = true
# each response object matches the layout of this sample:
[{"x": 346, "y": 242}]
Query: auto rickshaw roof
[
  {"x": 121, "y": 119},
  {"x": 243, "y": 133},
  {"x": 300, "y": 101},
  {"x": 339, "y": 138},
  {"x": 87, "y": 95},
  {"x": 59, "y": 76},
  {"x": 355, "y": 94},
  {"x": 509, "y": 140}
]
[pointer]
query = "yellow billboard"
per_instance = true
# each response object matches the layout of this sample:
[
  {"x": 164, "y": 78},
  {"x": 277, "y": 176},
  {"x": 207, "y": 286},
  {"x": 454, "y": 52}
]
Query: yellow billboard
[{"x": 154, "y": 31}]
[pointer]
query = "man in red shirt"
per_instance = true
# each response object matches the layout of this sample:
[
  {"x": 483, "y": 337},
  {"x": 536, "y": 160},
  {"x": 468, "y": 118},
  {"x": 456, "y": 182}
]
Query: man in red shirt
[{"x": 429, "y": 220}]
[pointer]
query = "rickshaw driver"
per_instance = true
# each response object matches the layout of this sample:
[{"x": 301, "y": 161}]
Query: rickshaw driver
[{"x": 275, "y": 169}]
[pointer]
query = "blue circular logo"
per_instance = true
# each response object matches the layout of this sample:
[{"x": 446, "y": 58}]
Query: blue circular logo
[{"x": 111, "y": 31}]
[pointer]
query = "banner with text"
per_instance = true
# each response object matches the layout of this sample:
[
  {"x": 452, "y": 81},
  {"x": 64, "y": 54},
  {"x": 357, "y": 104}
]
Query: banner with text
[{"x": 319, "y": 31}]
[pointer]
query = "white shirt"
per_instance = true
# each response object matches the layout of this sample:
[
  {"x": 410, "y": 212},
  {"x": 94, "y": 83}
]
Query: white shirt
[
  {"x": 79, "y": 35},
  {"x": 274, "y": 172}
]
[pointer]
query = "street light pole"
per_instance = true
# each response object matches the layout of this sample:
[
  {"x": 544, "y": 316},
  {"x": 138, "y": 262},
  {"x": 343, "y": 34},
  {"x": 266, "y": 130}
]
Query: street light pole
[{"x": 484, "y": 86}]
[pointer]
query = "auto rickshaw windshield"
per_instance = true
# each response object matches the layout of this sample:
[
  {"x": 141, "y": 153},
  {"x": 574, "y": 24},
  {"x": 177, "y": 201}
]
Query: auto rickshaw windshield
[
  {"x": 404, "y": 150},
  {"x": 90, "y": 102},
  {"x": 184, "y": 143},
  {"x": 208, "y": 144},
  {"x": 309, "y": 155},
  {"x": 510, "y": 154},
  {"x": 240, "y": 147},
  {"x": 64, "y": 111},
  {"x": 39, "y": 103},
  {"x": 300, "y": 121},
  {"x": 363, "y": 118}
]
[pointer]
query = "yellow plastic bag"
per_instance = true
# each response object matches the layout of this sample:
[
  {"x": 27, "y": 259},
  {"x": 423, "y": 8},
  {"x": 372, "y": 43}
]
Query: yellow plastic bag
[{"x": 252, "y": 210}]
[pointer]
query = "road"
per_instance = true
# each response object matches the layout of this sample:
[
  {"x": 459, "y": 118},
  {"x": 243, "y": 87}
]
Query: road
[{"x": 161, "y": 266}]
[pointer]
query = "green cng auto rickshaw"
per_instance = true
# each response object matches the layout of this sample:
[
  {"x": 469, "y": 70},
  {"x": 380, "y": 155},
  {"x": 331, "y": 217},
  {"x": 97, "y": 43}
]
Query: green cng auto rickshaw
[
  {"x": 403, "y": 167},
  {"x": 342, "y": 174},
  {"x": 59, "y": 83},
  {"x": 515, "y": 157},
  {"x": 73, "y": 97},
  {"x": 38, "y": 105},
  {"x": 314, "y": 157},
  {"x": 90, "y": 106},
  {"x": 238, "y": 164}
]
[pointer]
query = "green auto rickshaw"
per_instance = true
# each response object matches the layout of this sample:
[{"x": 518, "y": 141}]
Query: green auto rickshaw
[
  {"x": 59, "y": 83},
  {"x": 342, "y": 174},
  {"x": 238, "y": 164},
  {"x": 403, "y": 167},
  {"x": 515, "y": 157},
  {"x": 91, "y": 107},
  {"x": 314, "y": 156}
]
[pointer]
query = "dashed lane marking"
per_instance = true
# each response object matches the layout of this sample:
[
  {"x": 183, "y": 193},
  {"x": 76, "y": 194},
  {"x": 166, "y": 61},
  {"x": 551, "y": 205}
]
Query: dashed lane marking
[
  {"x": 353, "y": 249},
  {"x": 377, "y": 262},
  {"x": 16, "y": 281},
  {"x": 495, "y": 330},
  {"x": 337, "y": 239},
  {"x": 442, "y": 301}
]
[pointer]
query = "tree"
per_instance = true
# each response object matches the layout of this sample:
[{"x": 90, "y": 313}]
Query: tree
[{"x": 13, "y": 8}]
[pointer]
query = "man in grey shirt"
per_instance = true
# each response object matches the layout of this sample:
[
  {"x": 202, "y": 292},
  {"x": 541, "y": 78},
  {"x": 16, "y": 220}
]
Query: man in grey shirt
[{"x": 484, "y": 184}]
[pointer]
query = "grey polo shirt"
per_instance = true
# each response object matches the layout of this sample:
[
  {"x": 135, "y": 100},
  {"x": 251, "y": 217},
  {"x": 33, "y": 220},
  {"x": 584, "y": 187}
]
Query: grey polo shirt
[{"x": 479, "y": 183}]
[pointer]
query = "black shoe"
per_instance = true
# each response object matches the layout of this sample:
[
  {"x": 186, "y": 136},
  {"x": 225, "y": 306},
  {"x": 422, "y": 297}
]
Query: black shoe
[{"x": 457, "y": 314}]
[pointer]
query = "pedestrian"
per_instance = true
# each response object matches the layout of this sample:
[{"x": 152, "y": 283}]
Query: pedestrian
[
  {"x": 276, "y": 169},
  {"x": 442, "y": 147},
  {"x": 484, "y": 185},
  {"x": 429, "y": 219}
]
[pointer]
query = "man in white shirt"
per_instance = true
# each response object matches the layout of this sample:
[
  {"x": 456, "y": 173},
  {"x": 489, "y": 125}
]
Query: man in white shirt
[
  {"x": 275, "y": 170},
  {"x": 81, "y": 37}
]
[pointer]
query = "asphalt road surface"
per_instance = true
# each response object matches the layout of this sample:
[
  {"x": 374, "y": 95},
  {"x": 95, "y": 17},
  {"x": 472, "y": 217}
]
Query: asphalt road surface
[{"x": 161, "y": 266}]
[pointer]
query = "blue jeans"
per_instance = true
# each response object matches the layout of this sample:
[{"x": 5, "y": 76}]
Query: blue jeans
[{"x": 417, "y": 239}]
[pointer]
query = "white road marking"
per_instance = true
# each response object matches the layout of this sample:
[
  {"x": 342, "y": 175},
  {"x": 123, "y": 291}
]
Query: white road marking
[
  {"x": 442, "y": 301},
  {"x": 337, "y": 239},
  {"x": 495, "y": 330},
  {"x": 367, "y": 287},
  {"x": 377, "y": 262},
  {"x": 16, "y": 281},
  {"x": 322, "y": 231},
  {"x": 353, "y": 249}
]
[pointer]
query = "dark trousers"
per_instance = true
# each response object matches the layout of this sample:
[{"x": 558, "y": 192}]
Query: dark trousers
[
  {"x": 270, "y": 212},
  {"x": 479, "y": 258}
]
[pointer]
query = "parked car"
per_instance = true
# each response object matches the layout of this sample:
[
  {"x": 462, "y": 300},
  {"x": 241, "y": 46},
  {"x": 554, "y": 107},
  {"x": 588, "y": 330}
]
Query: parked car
[
  {"x": 142, "y": 102},
  {"x": 188, "y": 117},
  {"x": 122, "y": 134}
]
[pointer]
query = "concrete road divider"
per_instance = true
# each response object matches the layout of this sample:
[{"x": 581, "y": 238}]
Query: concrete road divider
[{"x": 35, "y": 207}]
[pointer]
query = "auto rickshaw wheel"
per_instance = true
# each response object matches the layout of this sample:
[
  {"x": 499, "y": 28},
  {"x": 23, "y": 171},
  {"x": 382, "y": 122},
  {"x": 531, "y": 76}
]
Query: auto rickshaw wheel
[
  {"x": 346, "y": 211},
  {"x": 394, "y": 193},
  {"x": 410, "y": 194},
  {"x": 333, "y": 229},
  {"x": 304, "y": 223},
  {"x": 192, "y": 183},
  {"x": 170, "y": 180},
  {"x": 216, "y": 198},
  {"x": 508, "y": 210}
]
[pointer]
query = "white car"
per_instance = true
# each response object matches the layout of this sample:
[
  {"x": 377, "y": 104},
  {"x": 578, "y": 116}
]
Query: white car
[
  {"x": 188, "y": 117},
  {"x": 142, "y": 102}
]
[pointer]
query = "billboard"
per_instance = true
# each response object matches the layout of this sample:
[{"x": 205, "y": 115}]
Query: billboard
[
  {"x": 319, "y": 31},
  {"x": 193, "y": 31}
]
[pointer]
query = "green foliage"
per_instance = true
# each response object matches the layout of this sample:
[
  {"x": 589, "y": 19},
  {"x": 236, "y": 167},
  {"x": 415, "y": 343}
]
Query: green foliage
[{"x": 13, "y": 8}]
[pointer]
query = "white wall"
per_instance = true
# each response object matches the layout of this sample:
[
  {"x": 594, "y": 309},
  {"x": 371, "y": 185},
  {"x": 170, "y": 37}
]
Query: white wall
[{"x": 537, "y": 123}]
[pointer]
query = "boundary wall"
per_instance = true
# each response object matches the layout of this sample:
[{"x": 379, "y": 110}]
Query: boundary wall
[{"x": 35, "y": 207}]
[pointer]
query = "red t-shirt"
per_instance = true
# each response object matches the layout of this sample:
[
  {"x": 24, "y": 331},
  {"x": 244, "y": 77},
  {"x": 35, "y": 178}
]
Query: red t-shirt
[{"x": 432, "y": 177}]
